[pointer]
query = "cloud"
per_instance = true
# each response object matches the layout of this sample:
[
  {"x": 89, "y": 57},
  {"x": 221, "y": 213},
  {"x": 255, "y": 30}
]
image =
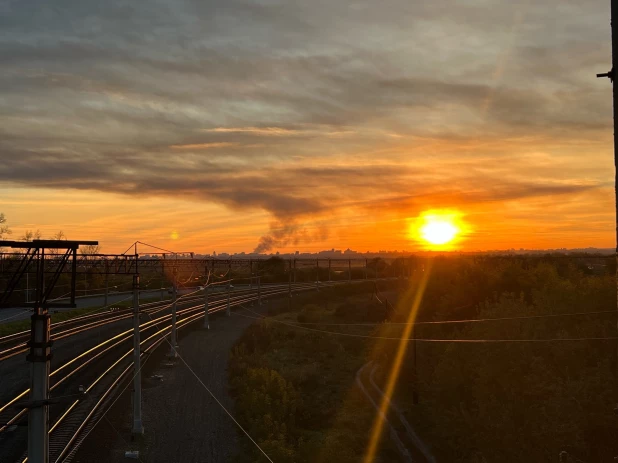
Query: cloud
[
  {"x": 306, "y": 110},
  {"x": 260, "y": 131},
  {"x": 203, "y": 146}
]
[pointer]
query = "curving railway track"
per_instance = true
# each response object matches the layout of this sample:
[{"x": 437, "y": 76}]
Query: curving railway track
[{"x": 94, "y": 361}]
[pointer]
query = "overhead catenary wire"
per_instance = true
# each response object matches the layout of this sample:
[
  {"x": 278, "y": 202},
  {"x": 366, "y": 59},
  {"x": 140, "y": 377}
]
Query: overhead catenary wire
[
  {"x": 215, "y": 398},
  {"x": 394, "y": 338},
  {"x": 470, "y": 320},
  {"x": 129, "y": 248}
]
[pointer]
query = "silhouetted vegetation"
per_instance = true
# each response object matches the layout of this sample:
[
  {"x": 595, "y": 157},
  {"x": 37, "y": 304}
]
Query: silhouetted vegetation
[
  {"x": 479, "y": 402},
  {"x": 295, "y": 389}
]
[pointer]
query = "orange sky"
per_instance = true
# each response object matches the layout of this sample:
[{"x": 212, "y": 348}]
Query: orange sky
[{"x": 308, "y": 126}]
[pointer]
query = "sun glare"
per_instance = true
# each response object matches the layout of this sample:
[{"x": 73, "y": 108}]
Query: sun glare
[
  {"x": 439, "y": 231},
  {"x": 437, "y": 228}
]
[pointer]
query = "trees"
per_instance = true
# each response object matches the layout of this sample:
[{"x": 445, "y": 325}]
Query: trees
[
  {"x": 59, "y": 236},
  {"x": 90, "y": 249},
  {"x": 30, "y": 235},
  {"x": 4, "y": 229}
]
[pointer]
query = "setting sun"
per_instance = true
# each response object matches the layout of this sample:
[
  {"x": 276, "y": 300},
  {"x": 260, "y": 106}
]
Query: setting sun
[{"x": 437, "y": 229}]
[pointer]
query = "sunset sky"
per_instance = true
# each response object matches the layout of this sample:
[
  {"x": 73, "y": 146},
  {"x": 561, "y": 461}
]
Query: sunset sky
[{"x": 227, "y": 125}]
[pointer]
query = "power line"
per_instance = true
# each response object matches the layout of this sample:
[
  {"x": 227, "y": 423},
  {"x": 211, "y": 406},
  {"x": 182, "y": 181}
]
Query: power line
[
  {"x": 470, "y": 320},
  {"x": 119, "y": 435},
  {"x": 129, "y": 248},
  {"x": 466, "y": 341},
  {"x": 155, "y": 247},
  {"x": 216, "y": 400}
]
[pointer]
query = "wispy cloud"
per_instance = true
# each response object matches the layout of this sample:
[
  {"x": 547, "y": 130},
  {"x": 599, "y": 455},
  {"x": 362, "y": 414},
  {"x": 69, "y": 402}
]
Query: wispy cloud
[
  {"x": 260, "y": 131},
  {"x": 203, "y": 146}
]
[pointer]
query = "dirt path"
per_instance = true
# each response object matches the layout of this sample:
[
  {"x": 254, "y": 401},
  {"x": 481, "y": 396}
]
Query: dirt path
[{"x": 182, "y": 422}]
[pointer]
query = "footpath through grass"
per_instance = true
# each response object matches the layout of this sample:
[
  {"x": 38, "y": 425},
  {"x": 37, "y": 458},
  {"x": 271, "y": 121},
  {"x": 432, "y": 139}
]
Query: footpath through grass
[{"x": 295, "y": 389}]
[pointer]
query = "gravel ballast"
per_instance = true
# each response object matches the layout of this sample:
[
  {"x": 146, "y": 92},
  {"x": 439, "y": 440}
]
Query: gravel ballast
[{"x": 182, "y": 422}]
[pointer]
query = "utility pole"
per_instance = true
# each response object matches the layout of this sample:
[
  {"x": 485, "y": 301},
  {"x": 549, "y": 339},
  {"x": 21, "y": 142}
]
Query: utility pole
[
  {"x": 610, "y": 74},
  {"x": 414, "y": 369},
  {"x": 39, "y": 345},
  {"x": 40, "y": 356},
  {"x": 138, "y": 427},
  {"x": 206, "y": 323},
  {"x": 106, "y": 300},
  {"x": 290, "y": 284},
  {"x": 206, "y": 288},
  {"x": 294, "y": 271},
  {"x": 250, "y": 274},
  {"x": 227, "y": 309},
  {"x": 174, "y": 308},
  {"x": 349, "y": 270},
  {"x": 317, "y": 274},
  {"x": 329, "y": 270},
  {"x": 259, "y": 290}
]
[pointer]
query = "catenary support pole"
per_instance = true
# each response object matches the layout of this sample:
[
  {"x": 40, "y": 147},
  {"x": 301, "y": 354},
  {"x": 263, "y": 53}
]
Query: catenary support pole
[
  {"x": 173, "y": 342},
  {"x": 227, "y": 308},
  {"x": 612, "y": 76},
  {"x": 414, "y": 369},
  {"x": 329, "y": 279},
  {"x": 39, "y": 356},
  {"x": 317, "y": 274},
  {"x": 138, "y": 427},
  {"x": 614, "y": 18},
  {"x": 289, "y": 284},
  {"x": 106, "y": 299},
  {"x": 206, "y": 302},
  {"x": 259, "y": 279},
  {"x": 349, "y": 270}
]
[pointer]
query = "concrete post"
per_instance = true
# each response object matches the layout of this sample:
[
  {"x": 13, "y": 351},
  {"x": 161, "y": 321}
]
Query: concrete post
[
  {"x": 173, "y": 341},
  {"x": 206, "y": 303},
  {"x": 317, "y": 274},
  {"x": 39, "y": 356},
  {"x": 38, "y": 415},
  {"x": 349, "y": 270},
  {"x": 259, "y": 290},
  {"x": 138, "y": 427},
  {"x": 365, "y": 269},
  {"x": 227, "y": 309},
  {"x": 290, "y": 285},
  {"x": 106, "y": 300},
  {"x": 329, "y": 271}
]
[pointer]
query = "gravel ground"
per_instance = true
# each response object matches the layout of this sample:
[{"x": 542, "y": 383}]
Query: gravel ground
[{"x": 182, "y": 421}]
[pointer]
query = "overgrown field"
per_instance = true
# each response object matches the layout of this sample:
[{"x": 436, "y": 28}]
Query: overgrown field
[
  {"x": 295, "y": 389},
  {"x": 538, "y": 382}
]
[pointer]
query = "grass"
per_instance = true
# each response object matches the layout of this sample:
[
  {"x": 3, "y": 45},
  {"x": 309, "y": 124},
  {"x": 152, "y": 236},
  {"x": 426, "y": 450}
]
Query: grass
[{"x": 330, "y": 418}]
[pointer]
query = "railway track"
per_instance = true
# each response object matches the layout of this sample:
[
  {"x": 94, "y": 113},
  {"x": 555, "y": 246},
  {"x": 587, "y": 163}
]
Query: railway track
[
  {"x": 16, "y": 343},
  {"x": 100, "y": 370}
]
